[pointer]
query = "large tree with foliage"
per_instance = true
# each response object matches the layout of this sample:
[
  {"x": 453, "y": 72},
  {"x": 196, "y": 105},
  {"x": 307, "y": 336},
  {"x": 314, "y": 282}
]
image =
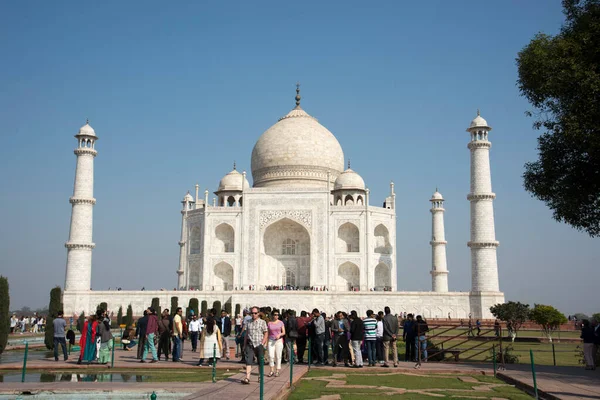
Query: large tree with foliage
[
  {"x": 193, "y": 306},
  {"x": 560, "y": 76},
  {"x": 120, "y": 316},
  {"x": 513, "y": 313},
  {"x": 128, "y": 320},
  {"x": 53, "y": 308},
  {"x": 548, "y": 317},
  {"x": 4, "y": 312},
  {"x": 174, "y": 305}
]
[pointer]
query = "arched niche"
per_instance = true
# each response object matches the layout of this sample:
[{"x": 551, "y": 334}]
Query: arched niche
[
  {"x": 347, "y": 239},
  {"x": 349, "y": 201},
  {"x": 224, "y": 239},
  {"x": 348, "y": 276},
  {"x": 285, "y": 254},
  {"x": 382, "y": 240},
  {"x": 223, "y": 276},
  {"x": 383, "y": 277}
]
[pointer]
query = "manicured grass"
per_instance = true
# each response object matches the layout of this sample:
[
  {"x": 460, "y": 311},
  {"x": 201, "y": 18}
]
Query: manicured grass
[{"x": 447, "y": 387}]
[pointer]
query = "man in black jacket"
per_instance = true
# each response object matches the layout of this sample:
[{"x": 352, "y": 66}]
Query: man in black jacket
[
  {"x": 356, "y": 336},
  {"x": 390, "y": 333},
  {"x": 224, "y": 324},
  {"x": 140, "y": 332}
]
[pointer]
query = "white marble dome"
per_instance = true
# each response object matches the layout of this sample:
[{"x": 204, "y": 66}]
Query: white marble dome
[
  {"x": 296, "y": 152},
  {"x": 479, "y": 122},
  {"x": 188, "y": 197},
  {"x": 86, "y": 130},
  {"x": 233, "y": 182},
  {"x": 349, "y": 179},
  {"x": 437, "y": 196}
]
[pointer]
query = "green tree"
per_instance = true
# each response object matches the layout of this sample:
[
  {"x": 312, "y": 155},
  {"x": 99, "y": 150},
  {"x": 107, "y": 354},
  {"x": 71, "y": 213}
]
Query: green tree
[
  {"x": 174, "y": 305},
  {"x": 102, "y": 306},
  {"x": 120, "y": 316},
  {"x": 228, "y": 307},
  {"x": 4, "y": 312},
  {"x": 193, "y": 305},
  {"x": 238, "y": 309},
  {"x": 204, "y": 307},
  {"x": 548, "y": 317},
  {"x": 128, "y": 320},
  {"x": 156, "y": 305},
  {"x": 53, "y": 308},
  {"x": 80, "y": 322},
  {"x": 513, "y": 313},
  {"x": 596, "y": 316},
  {"x": 217, "y": 307},
  {"x": 560, "y": 76}
]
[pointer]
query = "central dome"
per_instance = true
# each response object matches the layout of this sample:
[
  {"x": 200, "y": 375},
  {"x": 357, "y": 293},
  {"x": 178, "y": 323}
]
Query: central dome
[{"x": 296, "y": 152}]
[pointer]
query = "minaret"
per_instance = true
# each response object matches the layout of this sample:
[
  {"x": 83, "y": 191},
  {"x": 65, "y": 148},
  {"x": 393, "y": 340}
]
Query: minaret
[
  {"x": 483, "y": 244},
  {"x": 439, "y": 269},
  {"x": 188, "y": 204},
  {"x": 79, "y": 247}
]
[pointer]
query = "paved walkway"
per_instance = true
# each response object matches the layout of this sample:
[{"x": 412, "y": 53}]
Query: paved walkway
[{"x": 556, "y": 382}]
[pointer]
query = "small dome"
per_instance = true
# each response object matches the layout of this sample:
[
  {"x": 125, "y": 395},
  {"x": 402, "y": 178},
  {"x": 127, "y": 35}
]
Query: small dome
[
  {"x": 188, "y": 197},
  {"x": 233, "y": 182},
  {"x": 349, "y": 180},
  {"x": 437, "y": 196},
  {"x": 479, "y": 122},
  {"x": 86, "y": 130}
]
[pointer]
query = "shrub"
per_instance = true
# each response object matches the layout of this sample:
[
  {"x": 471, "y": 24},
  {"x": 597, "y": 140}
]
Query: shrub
[
  {"x": 128, "y": 320},
  {"x": 103, "y": 306},
  {"x": 120, "y": 316},
  {"x": 53, "y": 308},
  {"x": 238, "y": 309},
  {"x": 4, "y": 312},
  {"x": 217, "y": 307},
  {"x": 507, "y": 355},
  {"x": 156, "y": 305},
  {"x": 174, "y": 305},
  {"x": 80, "y": 322},
  {"x": 204, "y": 307},
  {"x": 193, "y": 306},
  {"x": 228, "y": 307}
]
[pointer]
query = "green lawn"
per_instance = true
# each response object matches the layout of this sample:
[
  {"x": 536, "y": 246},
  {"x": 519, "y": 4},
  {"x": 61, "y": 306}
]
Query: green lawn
[
  {"x": 567, "y": 354},
  {"x": 444, "y": 386}
]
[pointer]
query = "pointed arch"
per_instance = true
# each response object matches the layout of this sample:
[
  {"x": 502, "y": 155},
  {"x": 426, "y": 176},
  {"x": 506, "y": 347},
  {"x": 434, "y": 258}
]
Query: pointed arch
[
  {"x": 348, "y": 238},
  {"x": 383, "y": 278},
  {"x": 224, "y": 239},
  {"x": 348, "y": 276},
  {"x": 223, "y": 276},
  {"x": 382, "y": 240}
]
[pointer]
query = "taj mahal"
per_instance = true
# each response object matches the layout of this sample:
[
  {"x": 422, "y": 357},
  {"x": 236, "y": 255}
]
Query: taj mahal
[{"x": 304, "y": 234}]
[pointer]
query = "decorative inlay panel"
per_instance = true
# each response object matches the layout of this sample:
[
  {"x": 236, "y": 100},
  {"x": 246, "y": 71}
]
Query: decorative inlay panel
[{"x": 302, "y": 216}]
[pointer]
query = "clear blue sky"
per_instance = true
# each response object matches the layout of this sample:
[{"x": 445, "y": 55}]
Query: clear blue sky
[{"x": 178, "y": 91}]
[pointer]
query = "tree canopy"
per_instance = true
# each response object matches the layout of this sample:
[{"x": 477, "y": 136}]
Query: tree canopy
[
  {"x": 515, "y": 313},
  {"x": 560, "y": 76},
  {"x": 548, "y": 317}
]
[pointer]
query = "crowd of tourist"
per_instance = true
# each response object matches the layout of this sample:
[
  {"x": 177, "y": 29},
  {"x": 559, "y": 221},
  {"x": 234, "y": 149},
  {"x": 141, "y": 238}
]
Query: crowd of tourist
[{"x": 32, "y": 324}]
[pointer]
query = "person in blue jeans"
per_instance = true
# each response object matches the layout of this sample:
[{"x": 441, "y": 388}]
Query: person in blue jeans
[
  {"x": 177, "y": 334},
  {"x": 59, "y": 335},
  {"x": 421, "y": 330}
]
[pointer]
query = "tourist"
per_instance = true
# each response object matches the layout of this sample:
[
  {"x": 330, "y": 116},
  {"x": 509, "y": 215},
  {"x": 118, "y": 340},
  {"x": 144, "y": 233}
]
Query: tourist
[
  {"x": 177, "y": 335},
  {"x": 478, "y": 325},
  {"x": 194, "y": 327},
  {"x": 390, "y": 333},
  {"x": 41, "y": 324},
  {"x": 151, "y": 336},
  {"x": 106, "y": 338},
  {"x": 238, "y": 324},
  {"x": 59, "y": 336},
  {"x": 291, "y": 329},
  {"x": 224, "y": 324},
  {"x": 357, "y": 334},
  {"x": 370, "y": 328},
  {"x": 421, "y": 330},
  {"x": 87, "y": 341},
  {"x": 380, "y": 337},
  {"x": 340, "y": 327},
  {"x": 589, "y": 338},
  {"x": 13, "y": 323},
  {"x": 470, "y": 331},
  {"x": 318, "y": 324},
  {"x": 276, "y": 333},
  {"x": 257, "y": 334},
  {"x": 302, "y": 321},
  {"x": 140, "y": 333},
  {"x": 211, "y": 345},
  {"x": 327, "y": 338},
  {"x": 408, "y": 335},
  {"x": 127, "y": 340},
  {"x": 164, "y": 334},
  {"x": 497, "y": 327}
]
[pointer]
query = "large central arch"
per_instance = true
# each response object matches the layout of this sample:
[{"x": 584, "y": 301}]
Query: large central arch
[{"x": 285, "y": 252}]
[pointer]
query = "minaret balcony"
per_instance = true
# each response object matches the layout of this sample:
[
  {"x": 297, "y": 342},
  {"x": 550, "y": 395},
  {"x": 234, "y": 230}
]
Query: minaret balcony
[
  {"x": 483, "y": 245},
  {"x": 434, "y": 242},
  {"x": 479, "y": 145},
  {"x": 75, "y": 200},
  {"x": 481, "y": 196},
  {"x": 83, "y": 151},
  {"x": 80, "y": 246}
]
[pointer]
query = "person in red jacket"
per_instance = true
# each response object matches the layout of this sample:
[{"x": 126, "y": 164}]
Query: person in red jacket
[
  {"x": 87, "y": 342},
  {"x": 302, "y": 321}
]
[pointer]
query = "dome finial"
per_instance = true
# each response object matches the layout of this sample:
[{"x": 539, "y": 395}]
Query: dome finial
[
  {"x": 87, "y": 121},
  {"x": 298, "y": 95},
  {"x": 478, "y": 112},
  {"x": 234, "y": 165},
  {"x": 348, "y": 163},
  {"x": 436, "y": 189}
]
